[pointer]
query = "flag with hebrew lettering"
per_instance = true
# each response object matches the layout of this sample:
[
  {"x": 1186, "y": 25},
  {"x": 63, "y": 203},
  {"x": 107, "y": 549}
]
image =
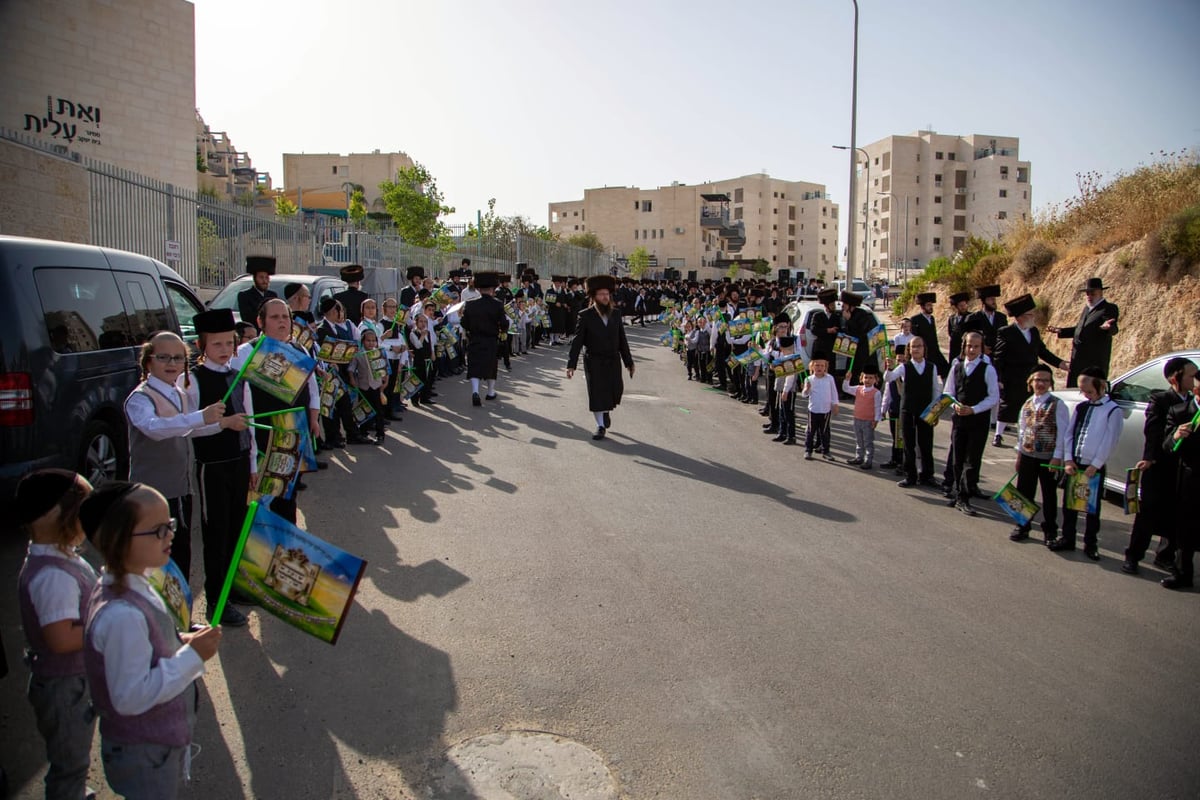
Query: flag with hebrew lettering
[{"x": 279, "y": 369}]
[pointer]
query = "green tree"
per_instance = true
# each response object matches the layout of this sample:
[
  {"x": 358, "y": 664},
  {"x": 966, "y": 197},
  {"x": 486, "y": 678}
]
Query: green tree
[
  {"x": 732, "y": 273},
  {"x": 639, "y": 262},
  {"x": 208, "y": 251},
  {"x": 416, "y": 206},
  {"x": 588, "y": 240},
  {"x": 761, "y": 267},
  {"x": 285, "y": 207},
  {"x": 358, "y": 209}
]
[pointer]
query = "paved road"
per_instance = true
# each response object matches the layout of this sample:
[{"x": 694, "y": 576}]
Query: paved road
[{"x": 713, "y": 616}]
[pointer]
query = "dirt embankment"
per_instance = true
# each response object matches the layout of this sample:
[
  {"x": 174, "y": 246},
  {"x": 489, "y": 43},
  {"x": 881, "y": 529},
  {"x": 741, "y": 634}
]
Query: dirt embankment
[{"x": 1155, "y": 317}]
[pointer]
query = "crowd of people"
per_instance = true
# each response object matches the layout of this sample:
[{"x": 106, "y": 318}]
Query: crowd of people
[{"x": 105, "y": 644}]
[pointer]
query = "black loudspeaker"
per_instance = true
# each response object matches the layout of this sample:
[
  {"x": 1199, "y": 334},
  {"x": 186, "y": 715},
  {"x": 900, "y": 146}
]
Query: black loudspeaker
[
  {"x": 785, "y": 277},
  {"x": 691, "y": 276}
]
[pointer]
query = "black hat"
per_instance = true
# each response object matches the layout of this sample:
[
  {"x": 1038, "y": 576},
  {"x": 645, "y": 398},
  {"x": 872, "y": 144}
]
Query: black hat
[
  {"x": 926, "y": 297},
  {"x": 851, "y": 299},
  {"x": 1093, "y": 372},
  {"x": 415, "y": 272},
  {"x": 901, "y": 349},
  {"x": 505, "y": 278},
  {"x": 1093, "y": 283},
  {"x": 984, "y": 292},
  {"x": 781, "y": 319},
  {"x": 1041, "y": 368},
  {"x": 290, "y": 290},
  {"x": 216, "y": 320},
  {"x": 1020, "y": 305},
  {"x": 256, "y": 264},
  {"x": 558, "y": 278},
  {"x": 327, "y": 303},
  {"x": 870, "y": 368},
  {"x": 93, "y": 509},
  {"x": 1175, "y": 365},
  {"x": 466, "y": 262},
  {"x": 487, "y": 280},
  {"x": 787, "y": 341},
  {"x": 522, "y": 266},
  {"x": 351, "y": 273},
  {"x": 40, "y": 491},
  {"x": 827, "y": 296},
  {"x": 959, "y": 297},
  {"x": 597, "y": 282}
]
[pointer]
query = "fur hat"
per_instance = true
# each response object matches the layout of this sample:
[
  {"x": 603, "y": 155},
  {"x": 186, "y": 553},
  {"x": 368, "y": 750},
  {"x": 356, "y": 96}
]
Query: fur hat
[
  {"x": 781, "y": 319},
  {"x": 959, "y": 297},
  {"x": 256, "y": 264},
  {"x": 851, "y": 299},
  {"x": 984, "y": 292},
  {"x": 597, "y": 282},
  {"x": 415, "y": 272},
  {"x": 926, "y": 297},
  {"x": 827, "y": 296},
  {"x": 1020, "y": 305},
  {"x": 487, "y": 280},
  {"x": 351, "y": 273}
]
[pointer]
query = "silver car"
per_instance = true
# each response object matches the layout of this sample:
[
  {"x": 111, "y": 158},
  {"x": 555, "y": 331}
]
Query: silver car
[{"x": 1131, "y": 392}]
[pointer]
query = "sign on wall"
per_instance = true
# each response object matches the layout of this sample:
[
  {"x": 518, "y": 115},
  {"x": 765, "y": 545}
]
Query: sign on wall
[{"x": 70, "y": 120}]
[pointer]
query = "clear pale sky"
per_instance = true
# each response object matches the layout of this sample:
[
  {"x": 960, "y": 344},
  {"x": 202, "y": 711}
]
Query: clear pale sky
[{"x": 532, "y": 101}]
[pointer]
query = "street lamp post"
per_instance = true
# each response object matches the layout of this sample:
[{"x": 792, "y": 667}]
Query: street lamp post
[
  {"x": 853, "y": 146},
  {"x": 853, "y": 208},
  {"x": 892, "y": 254}
]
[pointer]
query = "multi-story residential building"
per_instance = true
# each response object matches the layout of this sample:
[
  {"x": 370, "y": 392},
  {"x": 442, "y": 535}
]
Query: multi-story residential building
[
  {"x": 226, "y": 171},
  {"x": 788, "y": 224},
  {"x": 952, "y": 186},
  {"x": 309, "y": 175}
]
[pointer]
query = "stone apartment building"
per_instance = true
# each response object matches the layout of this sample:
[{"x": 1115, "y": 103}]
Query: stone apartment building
[
  {"x": 228, "y": 171},
  {"x": 789, "y": 224},
  {"x": 325, "y": 175},
  {"x": 955, "y": 187}
]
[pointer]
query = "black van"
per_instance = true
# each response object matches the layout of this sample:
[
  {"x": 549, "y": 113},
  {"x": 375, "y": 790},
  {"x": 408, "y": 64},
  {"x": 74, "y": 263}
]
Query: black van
[{"x": 72, "y": 318}]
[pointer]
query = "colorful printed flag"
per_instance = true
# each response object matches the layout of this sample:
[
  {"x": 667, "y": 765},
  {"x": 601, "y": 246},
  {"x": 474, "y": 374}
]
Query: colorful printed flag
[
  {"x": 168, "y": 582},
  {"x": 359, "y": 407},
  {"x": 1082, "y": 493},
  {"x": 845, "y": 345},
  {"x": 788, "y": 365},
  {"x": 302, "y": 335},
  {"x": 1133, "y": 482},
  {"x": 377, "y": 362},
  {"x": 441, "y": 297},
  {"x": 877, "y": 339},
  {"x": 337, "y": 351},
  {"x": 933, "y": 412},
  {"x": 279, "y": 369},
  {"x": 411, "y": 383},
  {"x": 749, "y": 357},
  {"x": 299, "y": 578},
  {"x": 1015, "y": 504},
  {"x": 332, "y": 390}
]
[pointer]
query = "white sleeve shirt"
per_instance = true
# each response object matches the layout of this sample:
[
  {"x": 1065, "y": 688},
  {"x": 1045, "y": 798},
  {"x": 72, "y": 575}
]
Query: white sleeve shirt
[
  {"x": 1100, "y": 435},
  {"x": 192, "y": 390},
  {"x": 143, "y": 416},
  {"x": 120, "y": 633},
  {"x": 993, "y": 386},
  {"x": 55, "y": 592}
]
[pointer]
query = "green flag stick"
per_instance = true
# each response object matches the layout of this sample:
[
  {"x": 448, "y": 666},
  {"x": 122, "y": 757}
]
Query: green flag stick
[
  {"x": 1053, "y": 466},
  {"x": 260, "y": 427},
  {"x": 1195, "y": 423},
  {"x": 233, "y": 564},
  {"x": 274, "y": 413},
  {"x": 242, "y": 371}
]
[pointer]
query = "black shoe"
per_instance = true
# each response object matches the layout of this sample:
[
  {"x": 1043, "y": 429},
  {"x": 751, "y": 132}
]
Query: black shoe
[
  {"x": 1092, "y": 552},
  {"x": 1164, "y": 563},
  {"x": 322, "y": 465},
  {"x": 599, "y": 434},
  {"x": 779, "y": 438},
  {"x": 854, "y": 461},
  {"x": 828, "y": 457},
  {"x": 866, "y": 465},
  {"x": 1018, "y": 535},
  {"x": 1129, "y": 567},
  {"x": 489, "y": 396},
  {"x": 997, "y": 441},
  {"x": 790, "y": 440},
  {"x": 339, "y": 444},
  {"x": 907, "y": 483},
  {"x": 953, "y": 502},
  {"x": 768, "y": 429},
  {"x": 475, "y": 401},
  {"x": 1061, "y": 545},
  {"x": 231, "y": 618},
  {"x": 808, "y": 456},
  {"x": 301, "y": 486},
  {"x": 930, "y": 482},
  {"x": 1176, "y": 582},
  {"x": 965, "y": 507},
  {"x": 889, "y": 465},
  {"x": 607, "y": 420}
]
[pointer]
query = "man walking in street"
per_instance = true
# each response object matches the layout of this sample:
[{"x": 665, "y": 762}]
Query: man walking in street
[
  {"x": 484, "y": 322},
  {"x": 602, "y": 331}
]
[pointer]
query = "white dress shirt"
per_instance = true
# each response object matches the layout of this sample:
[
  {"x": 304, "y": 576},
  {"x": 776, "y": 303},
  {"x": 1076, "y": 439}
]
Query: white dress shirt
[
  {"x": 55, "y": 592},
  {"x": 192, "y": 390},
  {"x": 1100, "y": 435},
  {"x": 1062, "y": 419},
  {"x": 121, "y": 634},
  {"x": 144, "y": 416},
  {"x": 993, "y": 386},
  {"x": 822, "y": 393},
  {"x": 897, "y": 372}
]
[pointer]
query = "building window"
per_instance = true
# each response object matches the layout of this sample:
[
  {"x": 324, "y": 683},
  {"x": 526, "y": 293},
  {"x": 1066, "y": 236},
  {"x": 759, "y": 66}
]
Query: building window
[
  {"x": 661, "y": 235},
  {"x": 950, "y": 156},
  {"x": 1004, "y": 192},
  {"x": 937, "y": 241},
  {"x": 636, "y": 205},
  {"x": 645, "y": 233},
  {"x": 937, "y": 180},
  {"x": 887, "y": 161},
  {"x": 791, "y": 261},
  {"x": 576, "y": 227},
  {"x": 959, "y": 242},
  {"x": 335, "y": 169},
  {"x": 960, "y": 223},
  {"x": 635, "y": 234},
  {"x": 937, "y": 198},
  {"x": 791, "y": 244},
  {"x": 1004, "y": 173},
  {"x": 824, "y": 226},
  {"x": 791, "y": 230},
  {"x": 1025, "y": 195},
  {"x": 822, "y": 241},
  {"x": 737, "y": 195},
  {"x": 647, "y": 205},
  {"x": 653, "y": 233},
  {"x": 776, "y": 195},
  {"x": 960, "y": 202},
  {"x": 737, "y": 213},
  {"x": 576, "y": 214},
  {"x": 774, "y": 227},
  {"x": 774, "y": 210},
  {"x": 937, "y": 220},
  {"x": 791, "y": 212},
  {"x": 1002, "y": 215},
  {"x": 938, "y": 155}
]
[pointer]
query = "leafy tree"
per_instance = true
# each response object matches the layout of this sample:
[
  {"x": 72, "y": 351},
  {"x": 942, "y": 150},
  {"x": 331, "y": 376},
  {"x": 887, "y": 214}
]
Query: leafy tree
[
  {"x": 285, "y": 207},
  {"x": 416, "y": 207},
  {"x": 639, "y": 262},
  {"x": 761, "y": 267},
  {"x": 588, "y": 240},
  {"x": 358, "y": 209},
  {"x": 208, "y": 251},
  {"x": 734, "y": 269}
]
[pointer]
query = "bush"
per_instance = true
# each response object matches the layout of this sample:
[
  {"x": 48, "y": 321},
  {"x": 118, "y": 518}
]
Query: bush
[
  {"x": 1180, "y": 237},
  {"x": 988, "y": 269},
  {"x": 1033, "y": 258},
  {"x": 1042, "y": 311}
]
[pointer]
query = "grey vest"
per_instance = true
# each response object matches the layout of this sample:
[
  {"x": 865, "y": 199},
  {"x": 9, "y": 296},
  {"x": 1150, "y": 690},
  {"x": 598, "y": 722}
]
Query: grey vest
[
  {"x": 42, "y": 661},
  {"x": 165, "y": 465}
]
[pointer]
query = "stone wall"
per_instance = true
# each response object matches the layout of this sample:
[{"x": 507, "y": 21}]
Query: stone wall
[{"x": 44, "y": 196}]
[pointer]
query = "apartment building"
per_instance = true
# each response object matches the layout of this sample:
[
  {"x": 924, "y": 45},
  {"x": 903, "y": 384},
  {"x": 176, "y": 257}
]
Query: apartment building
[
  {"x": 325, "y": 174},
  {"x": 952, "y": 186},
  {"x": 788, "y": 224},
  {"x": 225, "y": 170}
]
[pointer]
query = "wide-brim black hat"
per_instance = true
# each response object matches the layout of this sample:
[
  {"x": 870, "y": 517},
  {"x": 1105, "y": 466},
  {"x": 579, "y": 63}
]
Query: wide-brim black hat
[
  {"x": 959, "y": 297},
  {"x": 851, "y": 299},
  {"x": 984, "y": 292},
  {"x": 597, "y": 282},
  {"x": 827, "y": 296},
  {"x": 351, "y": 273},
  {"x": 415, "y": 272},
  {"x": 926, "y": 297},
  {"x": 487, "y": 280},
  {"x": 1020, "y": 305},
  {"x": 216, "y": 320},
  {"x": 1093, "y": 284},
  {"x": 256, "y": 264}
]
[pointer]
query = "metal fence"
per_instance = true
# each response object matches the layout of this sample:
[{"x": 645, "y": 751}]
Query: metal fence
[{"x": 207, "y": 240}]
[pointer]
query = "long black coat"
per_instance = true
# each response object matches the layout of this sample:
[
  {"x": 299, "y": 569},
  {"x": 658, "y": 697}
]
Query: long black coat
[
  {"x": 859, "y": 325},
  {"x": 956, "y": 326},
  {"x": 821, "y": 322},
  {"x": 977, "y": 321},
  {"x": 352, "y": 300},
  {"x": 483, "y": 320},
  {"x": 249, "y": 301},
  {"x": 1091, "y": 346},
  {"x": 1013, "y": 359},
  {"x": 927, "y": 330},
  {"x": 607, "y": 348}
]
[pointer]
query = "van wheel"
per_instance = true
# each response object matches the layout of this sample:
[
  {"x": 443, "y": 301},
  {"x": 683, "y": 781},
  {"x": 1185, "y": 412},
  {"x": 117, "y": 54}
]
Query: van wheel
[{"x": 102, "y": 454}]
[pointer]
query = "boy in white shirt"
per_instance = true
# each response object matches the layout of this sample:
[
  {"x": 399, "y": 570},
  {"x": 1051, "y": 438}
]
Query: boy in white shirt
[{"x": 821, "y": 390}]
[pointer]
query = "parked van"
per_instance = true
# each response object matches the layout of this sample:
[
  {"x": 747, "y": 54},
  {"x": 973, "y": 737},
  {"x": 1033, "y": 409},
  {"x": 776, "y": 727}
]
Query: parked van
[{"x": 72, "y": 320}]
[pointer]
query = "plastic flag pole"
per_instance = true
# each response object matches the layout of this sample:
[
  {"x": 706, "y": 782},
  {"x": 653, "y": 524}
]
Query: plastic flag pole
[
  {"x": 251, "y": 511},
  {"x": 274, "y": 413},
  {"x": 237, "y": 378},
  {"x": 1195, "y": 422}
]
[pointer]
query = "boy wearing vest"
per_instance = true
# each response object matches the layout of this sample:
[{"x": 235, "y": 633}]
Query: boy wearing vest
[
  {"x": 160, "y": 420},
  {"x": 921, "y": 385},
  {"x": 785, "y": 394},
  {"x": 225, "y": 453},
  {"x": 868, "y": 408},
  {"x": 53, "y": 588},
  {"x": 890, "y": 409},
  {"x": 142, "y": 672},
  {"x": 1042, "y": 426},
  {"x": 973, "y": 384}
]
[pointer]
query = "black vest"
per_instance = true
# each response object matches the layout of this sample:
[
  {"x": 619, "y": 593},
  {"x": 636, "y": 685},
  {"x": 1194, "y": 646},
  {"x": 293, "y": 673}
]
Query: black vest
[
  {"x": 264, "y": 401},
  {"x": 970, "y": 389},
  {"x": 918, "y": 388},
  {"x": 226, "y": 445}
]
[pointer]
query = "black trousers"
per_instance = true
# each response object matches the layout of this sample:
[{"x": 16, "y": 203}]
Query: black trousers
[
  {"x": 390, "y": 388},
  {"x": 693, "y": 366},
  {"x": 897, "y": 440},
  {"x": 376, "y": 403},
  {"x": 817, "y": 436},
  {"x": 773, "y": 403},
  {"x": 783, "y": 413},
  {"x": 1091, "y": 524},
  {"x": 1030, "y": 475},
  {"x": 223, "y": 488},
  {"x": 704, "y": 365},
  {"x": 1159, "y": 502},
  {"x": 722, "y": 369},
  {"x": 969, "y": 438},
  {"x": 918, "y": 438},
  {"x": 737, "y": 381},
  {"x": 181, "y": 547},
  {"x": 340, "y": 423},
  {"x": 749, "y": 384}
]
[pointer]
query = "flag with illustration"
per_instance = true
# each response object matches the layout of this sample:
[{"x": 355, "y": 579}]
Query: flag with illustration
[
  {"x": 845, "y": 345},
  {"x": 1015, "y": 504},
  {"x": 295, "y": 576},
  {"x": 1133, "y": 481},
  {"x": 749, "y": 357},
  {"x": 877, "y": 339},
  {"x": 360, "y": 407},
  {"x": 933, "y": 412},
  {"x": 332, "y": 389},
  {"x": 302, "y": 335},
  {"x": 411, "y": 384},
  {"x": 788, "y": 365},
  {"x": 742, "y": 326},
  {"x": 170, "y": 585},
  {"x": 277, "y": 368},
  {"x": 289, "y": 452},
  {"x": 377, "y": 363},
  {"x": 337, "y": 351},
  {"x": 1082, "y": 493}
]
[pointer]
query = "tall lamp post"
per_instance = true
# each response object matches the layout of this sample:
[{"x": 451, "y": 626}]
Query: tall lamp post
[
  {"x": 853, "y": 146},
  {"x": 853, "y": 199},
  {"x": 892, "y": 254}
]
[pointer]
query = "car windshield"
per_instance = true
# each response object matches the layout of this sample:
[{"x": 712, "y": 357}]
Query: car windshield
[{"x": 1136, "y": 388}]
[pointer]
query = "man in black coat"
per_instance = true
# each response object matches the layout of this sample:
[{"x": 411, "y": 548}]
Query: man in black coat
[
  {"x": 987, "y": 320},
  {"x": 825, "y": 325},
  {"x": 408, "y": 295},
  {"x": 858, "y": 323},
  {"x": 1019, "y": 347},
  {"x": 1181, "y": 430},
  {"x": 602, "y": 331},
  {"x": 352, "y": 296},
  {"x": 484, "y": 322},
  {"x": 923, "y": 325},
  {"x": 250, "y": 300},
  {"x": 956, "y": 324},
  {"x": 1159, "y": 468},
  {"x": 1091, "y": 337}
]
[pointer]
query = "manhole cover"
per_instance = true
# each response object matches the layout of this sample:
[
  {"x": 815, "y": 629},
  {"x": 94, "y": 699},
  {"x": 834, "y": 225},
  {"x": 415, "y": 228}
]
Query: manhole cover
[{"x": 524, "y": 765}]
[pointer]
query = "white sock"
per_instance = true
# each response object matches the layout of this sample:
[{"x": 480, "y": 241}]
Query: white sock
[
  {"x": 599, "y": 418},
  {"x": 491, "y": 386},
  {"x": 1000, "y": 428},
  {"x": 475, "y": 385}
]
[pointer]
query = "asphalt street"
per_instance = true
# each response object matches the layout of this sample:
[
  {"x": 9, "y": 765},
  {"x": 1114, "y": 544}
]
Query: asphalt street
[{"x": 709, "y": 614}]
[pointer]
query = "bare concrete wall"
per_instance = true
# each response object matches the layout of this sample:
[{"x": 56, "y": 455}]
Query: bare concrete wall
[{"x": 42, "y": 195}]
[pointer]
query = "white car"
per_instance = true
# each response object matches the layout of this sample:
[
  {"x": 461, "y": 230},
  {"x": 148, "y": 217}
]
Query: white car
[
  {"x": 859, "y": 287},
  {"x": 801, "y": 313}
]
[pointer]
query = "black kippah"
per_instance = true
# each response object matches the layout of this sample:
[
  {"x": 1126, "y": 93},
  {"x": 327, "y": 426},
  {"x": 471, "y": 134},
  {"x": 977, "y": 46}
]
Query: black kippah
[
  {"x": 291, "y": 290},
  {"x": 40, "y": 491},
  {"x": 97, "y": 504}
]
